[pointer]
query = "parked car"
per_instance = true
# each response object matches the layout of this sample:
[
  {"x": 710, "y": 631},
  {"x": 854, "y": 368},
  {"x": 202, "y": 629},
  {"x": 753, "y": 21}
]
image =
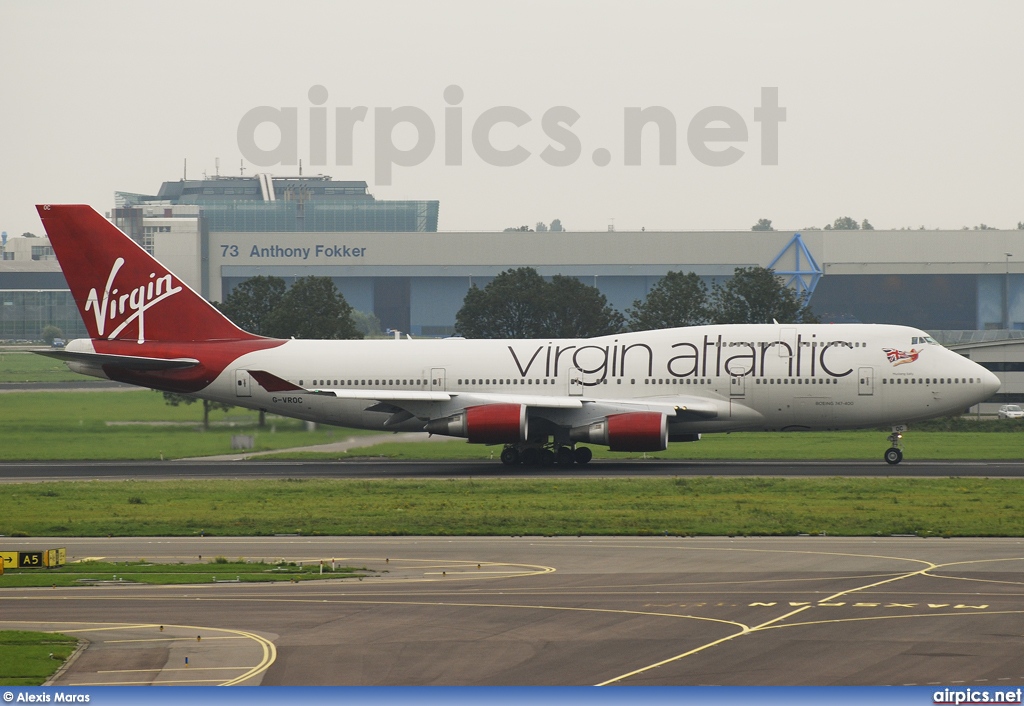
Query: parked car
[
  {"x": 1011, "y": 411},
  {"x": 57, "y": 343}
]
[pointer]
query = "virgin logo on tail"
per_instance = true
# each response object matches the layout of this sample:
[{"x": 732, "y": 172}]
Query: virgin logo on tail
[{"x": 135, "y": 302}]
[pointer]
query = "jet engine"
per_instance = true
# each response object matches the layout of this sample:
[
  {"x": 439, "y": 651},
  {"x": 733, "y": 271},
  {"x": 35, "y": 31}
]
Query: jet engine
[
  {"x": 633, "y": 431},
  {"x": 486, "y": 424}
]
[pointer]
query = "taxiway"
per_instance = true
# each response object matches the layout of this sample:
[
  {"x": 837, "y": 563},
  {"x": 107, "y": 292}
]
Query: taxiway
[{"x": 557, "y": 610}]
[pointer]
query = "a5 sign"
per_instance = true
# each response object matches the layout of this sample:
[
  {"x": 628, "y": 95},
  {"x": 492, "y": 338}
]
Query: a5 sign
[
  {"x": 33, "y": 560},
  {"x": 30, "y": 560}
]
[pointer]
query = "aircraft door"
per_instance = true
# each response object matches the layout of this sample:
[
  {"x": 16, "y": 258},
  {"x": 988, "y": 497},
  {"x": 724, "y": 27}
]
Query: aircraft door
[
  {"x": 787, "y": 342},
  {"x": 865, "y": 384},
  {"x": 738, "y": 386},
  {"x": 575, "y": 382},
  {"x": 437, "y": 382},
  {"x": 242, "y": 382}
]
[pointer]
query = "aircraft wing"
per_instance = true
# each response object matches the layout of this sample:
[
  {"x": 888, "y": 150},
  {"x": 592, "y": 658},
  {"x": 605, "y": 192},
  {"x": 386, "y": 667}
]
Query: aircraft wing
[
  {"x": 414, "y": 401},
  {"x": 465, "y": 399},
  {"x": 126, "y": 362},
  {"x": 272, "y": 383}
]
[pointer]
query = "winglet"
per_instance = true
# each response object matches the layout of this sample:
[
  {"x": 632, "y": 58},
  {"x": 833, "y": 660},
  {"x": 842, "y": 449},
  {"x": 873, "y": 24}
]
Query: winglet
[{"x": 272, "y": 383}]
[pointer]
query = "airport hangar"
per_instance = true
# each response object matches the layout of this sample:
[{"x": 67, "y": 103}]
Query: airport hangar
[{"x": 388, "y": 258}]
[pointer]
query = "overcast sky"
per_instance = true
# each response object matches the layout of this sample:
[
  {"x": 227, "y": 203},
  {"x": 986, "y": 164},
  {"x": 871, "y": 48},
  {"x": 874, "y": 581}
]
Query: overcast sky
[{"x": 907, "y": 114}]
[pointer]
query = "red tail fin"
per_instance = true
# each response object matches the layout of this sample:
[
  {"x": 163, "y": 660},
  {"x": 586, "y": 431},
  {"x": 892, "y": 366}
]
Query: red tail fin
[{"x": 121, "y": 291}]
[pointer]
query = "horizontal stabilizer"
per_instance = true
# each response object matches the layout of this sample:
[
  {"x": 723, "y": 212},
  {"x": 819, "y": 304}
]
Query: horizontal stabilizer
[{"x": 125, "y": 362}]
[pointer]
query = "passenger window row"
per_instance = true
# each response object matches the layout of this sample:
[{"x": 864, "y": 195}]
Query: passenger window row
[
  {"x": 796, "y": 381},
  {"x": 497, "y": 381},
  {"x": 647, "y": 381},
  {"x": 805, "y": 344},
  {"x": 365, "y": 383},
  {"x": 930, "y": 381},
  {"x": 678, "y": 381}
]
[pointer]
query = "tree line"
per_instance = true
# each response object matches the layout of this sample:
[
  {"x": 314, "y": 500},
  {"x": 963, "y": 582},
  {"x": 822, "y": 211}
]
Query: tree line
[
  {"x": 520, "y": 303},
  {"x": 311, "y": 308},
  {"x": 847, "y": 223}
]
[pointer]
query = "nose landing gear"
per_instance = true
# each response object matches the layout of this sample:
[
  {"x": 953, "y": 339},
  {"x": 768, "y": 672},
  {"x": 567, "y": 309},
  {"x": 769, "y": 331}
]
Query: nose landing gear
[{"x": 894, "y": 454}]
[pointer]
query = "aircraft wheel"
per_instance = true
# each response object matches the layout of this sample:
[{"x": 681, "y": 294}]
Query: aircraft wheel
[
  {"x": 510, "y": 456},
  {"x": 530, "y": 457},
  {"x": 565, "y": 457},
  {"x": 583, "y": 455},
  {"x": 547, "y": 457},
  {"x": 893, "y": 456}
]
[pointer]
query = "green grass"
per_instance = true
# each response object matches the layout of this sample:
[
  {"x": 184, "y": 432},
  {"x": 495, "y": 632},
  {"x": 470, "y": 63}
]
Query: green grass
[
  {"x": 75, "y": 425},
  {"x": 847, "y": 445},
  {"x": 22, "y": 366},
  {"x": 217, "y": 569},
  {"x": 41, "y": 426},
  {"x": 25, "y": 657},
  {"x": 636, "y": 506}
]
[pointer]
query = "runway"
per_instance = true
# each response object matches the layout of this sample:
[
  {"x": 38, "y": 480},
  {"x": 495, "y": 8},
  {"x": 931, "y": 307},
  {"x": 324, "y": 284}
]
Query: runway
[
  {"x": 378, "y": 468},
  {"x": 552, "y": 611}
]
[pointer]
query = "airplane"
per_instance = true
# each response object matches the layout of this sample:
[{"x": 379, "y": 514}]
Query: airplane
[{"x": 541, "y": 400}]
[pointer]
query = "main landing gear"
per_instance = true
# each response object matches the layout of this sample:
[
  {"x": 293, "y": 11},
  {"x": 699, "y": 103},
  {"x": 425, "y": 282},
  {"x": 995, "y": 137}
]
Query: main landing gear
[
  {"x": 546, "y": 455},
  {"x": 894, "y": 454}
]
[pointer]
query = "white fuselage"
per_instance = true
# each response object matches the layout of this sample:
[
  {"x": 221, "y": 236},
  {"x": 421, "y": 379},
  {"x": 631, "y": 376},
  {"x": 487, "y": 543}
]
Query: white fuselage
[{"x": 732, "y": 377}]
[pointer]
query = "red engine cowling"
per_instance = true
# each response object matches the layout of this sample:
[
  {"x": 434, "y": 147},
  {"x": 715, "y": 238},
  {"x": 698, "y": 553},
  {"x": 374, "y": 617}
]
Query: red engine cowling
[
  {"x": 486, "y": 424},
  {"x": 634, "y": 431}
]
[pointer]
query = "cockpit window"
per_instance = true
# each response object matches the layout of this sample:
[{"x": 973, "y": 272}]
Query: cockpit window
[{"x": 916, "y": 340}]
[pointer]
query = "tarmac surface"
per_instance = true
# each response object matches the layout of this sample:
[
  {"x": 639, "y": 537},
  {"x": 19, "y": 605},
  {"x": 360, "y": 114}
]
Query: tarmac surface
[{"x": 551, "y": 611}]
